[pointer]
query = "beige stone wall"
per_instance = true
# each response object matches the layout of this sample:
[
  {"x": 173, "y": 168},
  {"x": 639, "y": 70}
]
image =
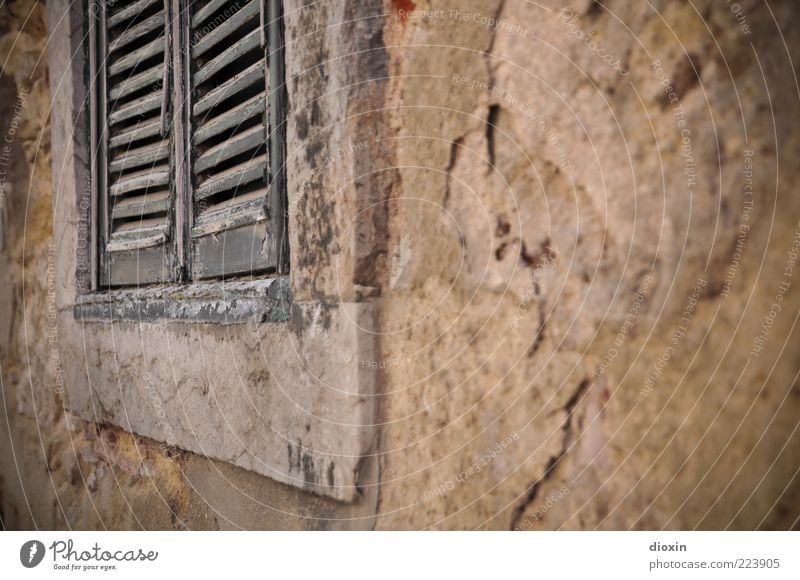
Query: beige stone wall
[
  {"x": 571, "y": 320},
  {"x": 556, "y": 219}
]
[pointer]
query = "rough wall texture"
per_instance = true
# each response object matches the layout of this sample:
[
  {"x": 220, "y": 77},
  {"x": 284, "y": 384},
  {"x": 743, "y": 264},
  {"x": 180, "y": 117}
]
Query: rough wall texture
[
  {"x": 580, "y": 224},
  {"x": 564, "y": 234},
  {"x": 96, "y": 475}
]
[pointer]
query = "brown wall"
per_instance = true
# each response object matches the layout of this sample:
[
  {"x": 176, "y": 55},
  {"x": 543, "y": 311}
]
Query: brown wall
[
  {"x": 571, "y": 319},
  {"x": 535, "y": 212}
]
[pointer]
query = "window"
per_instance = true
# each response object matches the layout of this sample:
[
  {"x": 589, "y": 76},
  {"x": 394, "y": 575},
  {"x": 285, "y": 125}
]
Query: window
[
  {"x": 242, "y": 371},
  {"x": 188, "y": 140}
]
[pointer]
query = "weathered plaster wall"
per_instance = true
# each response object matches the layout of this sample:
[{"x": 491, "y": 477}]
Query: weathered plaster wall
[
  {"x": 267, "y": 397},
  {"x": 535, "y": 233},
  {"x": 552, "y": 222}
]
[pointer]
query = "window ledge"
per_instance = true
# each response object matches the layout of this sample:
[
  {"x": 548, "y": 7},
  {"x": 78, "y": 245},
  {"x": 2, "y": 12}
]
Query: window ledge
[{"x": 233, "y": 302}]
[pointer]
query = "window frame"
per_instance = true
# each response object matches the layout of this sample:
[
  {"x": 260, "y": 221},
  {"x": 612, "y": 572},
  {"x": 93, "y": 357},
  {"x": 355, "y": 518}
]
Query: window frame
[{"x": 177, "y": 82}]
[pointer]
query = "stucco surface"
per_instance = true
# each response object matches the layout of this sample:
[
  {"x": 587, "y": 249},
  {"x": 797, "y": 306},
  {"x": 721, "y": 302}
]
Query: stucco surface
[
  {"x": 563, "y": 235},
  {"x": 575, "y": 227}
]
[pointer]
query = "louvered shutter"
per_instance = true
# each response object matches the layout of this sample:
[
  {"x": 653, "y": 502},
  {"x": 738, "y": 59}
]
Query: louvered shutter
[
  {"x": 135, "y": 144},
  {"x": 237, "y": 222}
]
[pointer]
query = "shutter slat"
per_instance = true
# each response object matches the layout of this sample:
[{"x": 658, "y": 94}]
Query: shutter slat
[
  {"x": 232, "y": 118},
  {"x": 230, "y": 24},
  {"x": 135, "y": 32},
  {"x": 141, "y": 205},
  {"x": 228, "y": 221},
  {"x": 249, "y": 139},
  {"x": 228, "y": 56},
  {"x": 141, "y": 180},
  {"x": 129, "y": 12},
  {"x": 244, "y": 202},
  {"x": 254, "y": 73},
  {"x": 117, "y": 244},
  {"x": 137, "y": 107},
  {"x": 234, "y": 177},
  {"x": 206, "y": 11},
  {"x": 232, "y": 213},
  {"x": 137, "y": 56},
  {"x": 141, "y": 130},
  {"x": 148, "y": 77},
  {"x": 138, "y": 227},
  {"x": 140, "y": 156},
  {"x": 139, "y": 234}
]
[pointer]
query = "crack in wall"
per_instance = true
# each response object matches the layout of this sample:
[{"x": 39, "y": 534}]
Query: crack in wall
[
  {"x": 493, "y": 111},
  {"x": 454, "y": 146},
  {"x": 489, "y": 49},
  {"x": 491, "y": 125},
  {"x": 533, "y": 489},
  {"x": 540, "y": 331}
]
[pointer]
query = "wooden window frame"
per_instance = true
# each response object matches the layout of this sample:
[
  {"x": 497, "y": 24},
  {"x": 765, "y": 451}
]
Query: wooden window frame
[{"x": 180, "y": 261}]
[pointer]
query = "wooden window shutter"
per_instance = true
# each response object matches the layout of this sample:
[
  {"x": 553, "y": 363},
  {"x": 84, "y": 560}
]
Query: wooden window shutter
[
  {"x": 133, "y": 141},
  {"x": 236, "y": 127}
]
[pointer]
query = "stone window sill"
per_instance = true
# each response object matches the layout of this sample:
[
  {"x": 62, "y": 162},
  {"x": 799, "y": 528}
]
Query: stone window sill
[{"x": 232, "y": 302}]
